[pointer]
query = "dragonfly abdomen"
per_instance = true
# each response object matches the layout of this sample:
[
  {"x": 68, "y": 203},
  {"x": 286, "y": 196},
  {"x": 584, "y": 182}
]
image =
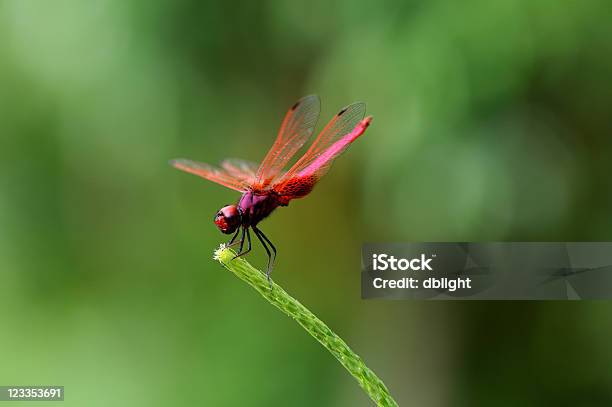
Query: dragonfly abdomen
[{"x": 296, "y": 187}]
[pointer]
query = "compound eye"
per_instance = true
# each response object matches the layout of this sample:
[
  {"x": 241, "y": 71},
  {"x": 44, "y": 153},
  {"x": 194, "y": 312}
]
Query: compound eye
[
  {"x": 222, "y": 223},
  {"x": 230, "y": 212},
  {"x": 228, "y": 219}
]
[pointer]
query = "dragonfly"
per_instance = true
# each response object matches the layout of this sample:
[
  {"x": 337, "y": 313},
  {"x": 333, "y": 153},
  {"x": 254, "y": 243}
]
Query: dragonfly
[{"x": 267, "y": 186}]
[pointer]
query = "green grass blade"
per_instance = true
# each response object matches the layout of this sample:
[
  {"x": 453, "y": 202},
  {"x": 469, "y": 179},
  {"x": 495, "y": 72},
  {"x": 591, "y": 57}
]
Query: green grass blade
[{"x": 278, "y": 297}]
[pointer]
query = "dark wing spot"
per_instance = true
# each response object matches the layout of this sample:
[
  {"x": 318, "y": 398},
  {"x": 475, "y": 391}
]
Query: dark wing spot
[
  {"x": 296, "y": 105},
  {"x": 341, "y": 112}
]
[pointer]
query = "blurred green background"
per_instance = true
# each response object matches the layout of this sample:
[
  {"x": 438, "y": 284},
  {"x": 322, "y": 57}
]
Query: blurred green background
[{"x": 491, "y": 122}]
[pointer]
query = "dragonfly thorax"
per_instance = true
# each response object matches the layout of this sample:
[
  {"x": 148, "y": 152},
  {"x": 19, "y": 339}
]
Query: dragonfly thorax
[{"x": 256, "y": 206}]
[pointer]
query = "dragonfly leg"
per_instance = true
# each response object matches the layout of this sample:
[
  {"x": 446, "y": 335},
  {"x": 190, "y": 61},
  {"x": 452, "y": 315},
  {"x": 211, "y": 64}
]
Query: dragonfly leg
[
  {"x": 231, "y": 242},
  {"x": 241, "y": 242},
  {"x": 263, "y": 243},
  {"x": 271, "y": 259},
  {"x": 248, "y": 235}
]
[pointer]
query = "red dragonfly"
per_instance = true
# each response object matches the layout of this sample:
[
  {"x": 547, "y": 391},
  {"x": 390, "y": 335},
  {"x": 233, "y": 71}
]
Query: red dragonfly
[{"x": 267, "y": 186}]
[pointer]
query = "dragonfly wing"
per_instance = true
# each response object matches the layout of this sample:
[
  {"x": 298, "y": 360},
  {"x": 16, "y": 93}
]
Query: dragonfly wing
[
  {"x": 346, "y": 126},
  {"x": 211, "y": 173},
  {"x": 241, "y": 169},
  {"x": 297, "y": 127}
]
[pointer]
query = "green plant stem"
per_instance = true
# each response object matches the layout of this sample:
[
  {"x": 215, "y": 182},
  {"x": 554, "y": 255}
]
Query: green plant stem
[{"x": 278, "y": 297}]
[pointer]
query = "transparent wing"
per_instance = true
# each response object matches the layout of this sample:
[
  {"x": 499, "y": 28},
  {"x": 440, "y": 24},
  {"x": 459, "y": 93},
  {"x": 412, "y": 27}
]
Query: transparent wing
[
  {"x": 211, "y": 173},
  {"x": 297, "y": 127},
  {"x": 339, "y": 133},
  {"x": 241, "y": 169}
]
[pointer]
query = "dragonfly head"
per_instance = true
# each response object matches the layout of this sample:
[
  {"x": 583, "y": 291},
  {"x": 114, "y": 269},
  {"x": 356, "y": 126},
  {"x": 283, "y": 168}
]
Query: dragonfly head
[{"x": 228, "y": 219}]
